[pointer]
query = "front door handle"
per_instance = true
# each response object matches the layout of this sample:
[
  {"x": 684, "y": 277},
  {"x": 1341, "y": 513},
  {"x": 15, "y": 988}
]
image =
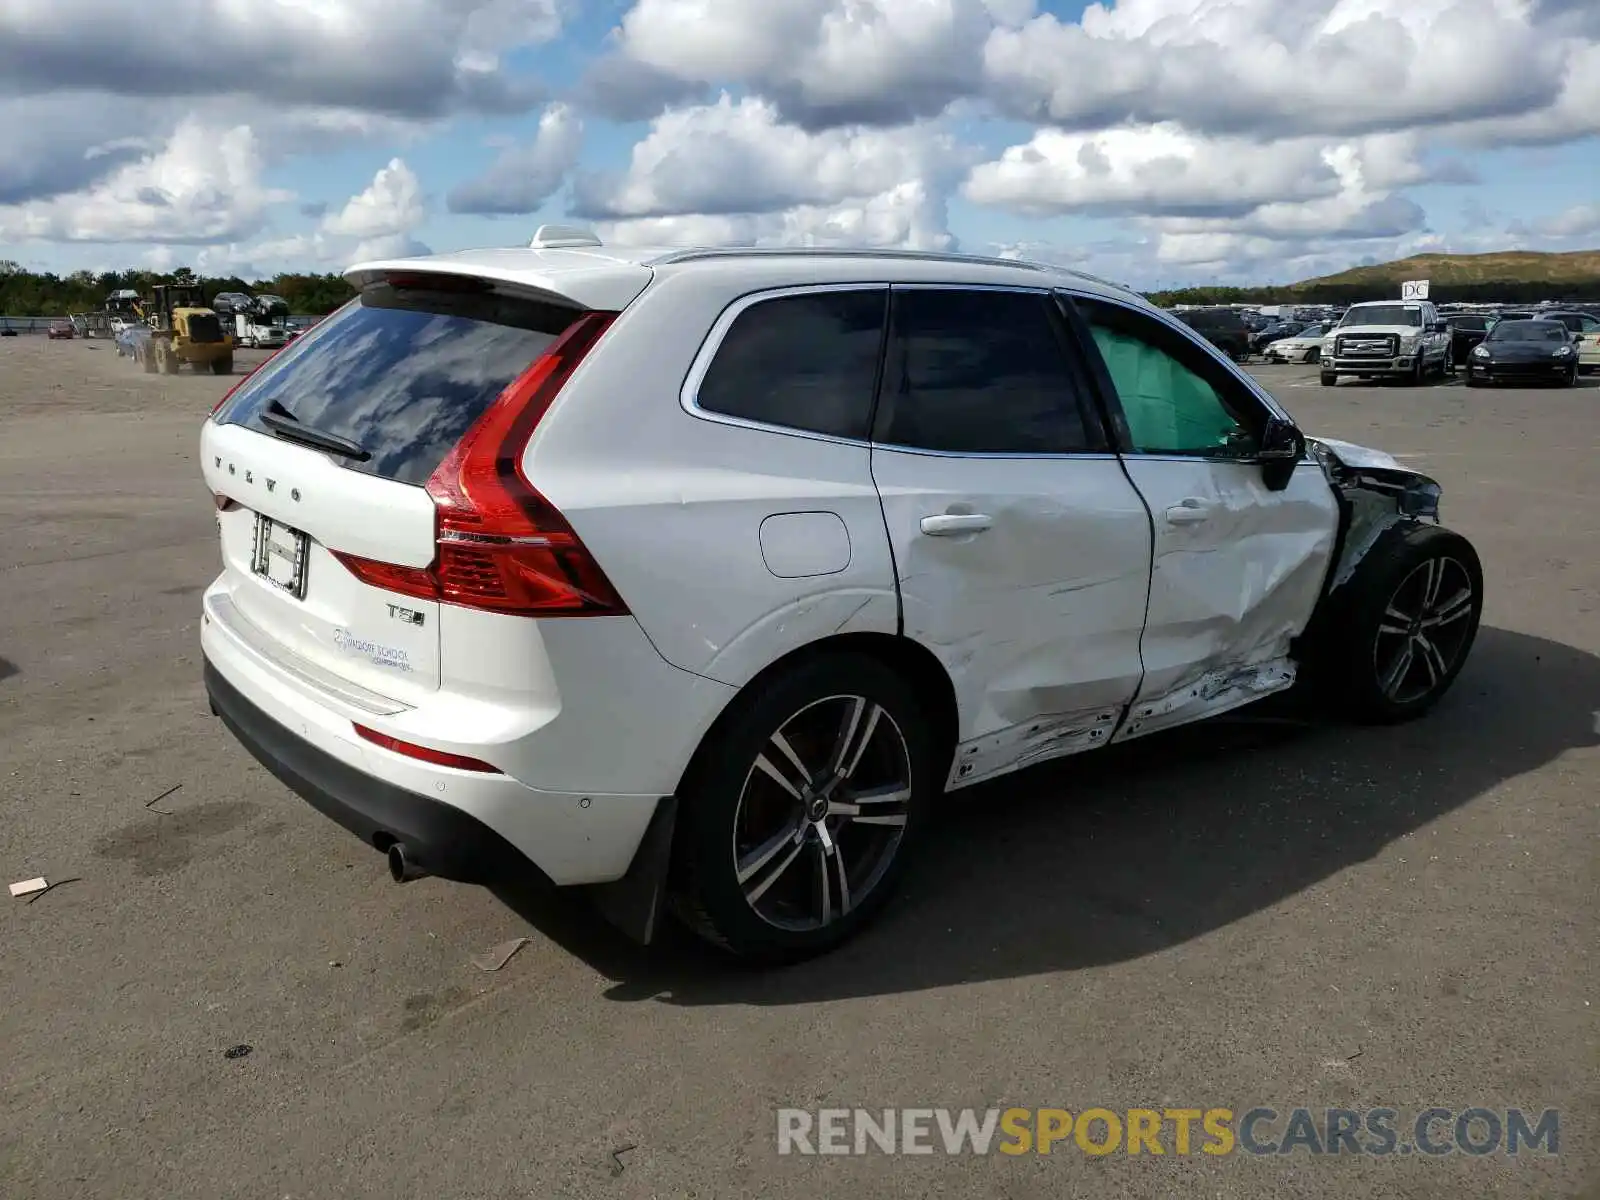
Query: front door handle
[
  {"x": 953, "y": 524},
  {"x": 1188, "y": 512}
]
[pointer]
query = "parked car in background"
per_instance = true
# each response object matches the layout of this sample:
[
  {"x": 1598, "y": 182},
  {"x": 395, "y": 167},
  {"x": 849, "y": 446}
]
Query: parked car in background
[
  {"x": 1404, "y": 339},
  {"x": 1585, "y": 330},
  {"x": 1524, "y": 351},
  {"x": 1224, "y": 328},
  {"x": 1466, "y": 331},
  {"x": 1278, "y": 329},
  {"x": 61, "y": 330},
  {"x": 1302, "y": 347}
]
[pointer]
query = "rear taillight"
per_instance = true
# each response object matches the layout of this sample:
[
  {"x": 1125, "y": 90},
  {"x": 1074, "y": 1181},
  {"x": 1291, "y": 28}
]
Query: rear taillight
[
  {"x": 441, "y": 758},
  {"x": 501, "y": 545}
]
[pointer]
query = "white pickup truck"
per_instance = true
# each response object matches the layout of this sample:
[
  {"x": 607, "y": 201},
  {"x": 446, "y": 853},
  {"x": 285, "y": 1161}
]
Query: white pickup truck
[{"x": 1388, "y": 337}]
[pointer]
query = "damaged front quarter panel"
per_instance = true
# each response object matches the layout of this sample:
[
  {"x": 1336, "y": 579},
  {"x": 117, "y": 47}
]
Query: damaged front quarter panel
[{"x": 1375, "y": 494}]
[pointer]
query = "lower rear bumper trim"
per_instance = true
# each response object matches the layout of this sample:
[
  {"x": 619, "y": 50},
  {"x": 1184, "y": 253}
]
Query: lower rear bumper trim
[{"x": 447, "y": 841}]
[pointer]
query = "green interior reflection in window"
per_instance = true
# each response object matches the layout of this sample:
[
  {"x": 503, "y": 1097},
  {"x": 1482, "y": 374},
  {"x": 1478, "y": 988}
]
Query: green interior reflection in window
[{"x": 1170, "y": 409}]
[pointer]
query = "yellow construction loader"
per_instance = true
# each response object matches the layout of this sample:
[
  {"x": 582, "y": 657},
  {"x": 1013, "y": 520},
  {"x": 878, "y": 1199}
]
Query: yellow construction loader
[{"x": 182, "y": 330}]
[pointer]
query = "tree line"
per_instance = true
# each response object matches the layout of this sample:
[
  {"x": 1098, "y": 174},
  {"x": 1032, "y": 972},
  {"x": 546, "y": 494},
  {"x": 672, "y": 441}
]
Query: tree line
[{"x": 28, "y": 294}]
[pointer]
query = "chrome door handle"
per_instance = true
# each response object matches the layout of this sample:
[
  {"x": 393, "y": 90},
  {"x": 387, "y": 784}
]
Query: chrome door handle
[
  {"x": 1189, "y": 512},
  {"x": 952, "y": 524}
]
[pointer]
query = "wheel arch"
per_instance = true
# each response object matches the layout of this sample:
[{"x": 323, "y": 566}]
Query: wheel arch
[{"x": 909, "y": 659}]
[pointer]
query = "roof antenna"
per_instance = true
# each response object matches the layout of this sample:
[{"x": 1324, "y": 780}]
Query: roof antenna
[{"x": 562, "y": 237}]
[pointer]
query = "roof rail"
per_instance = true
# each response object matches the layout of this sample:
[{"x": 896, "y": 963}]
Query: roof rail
[{"x": 701, "y": 253}]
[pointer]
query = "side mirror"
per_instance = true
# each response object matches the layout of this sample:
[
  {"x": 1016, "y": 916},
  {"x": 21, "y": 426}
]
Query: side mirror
[
  {"x": 1282, "y": 448},
  {"x": 1440, "y": 327}
]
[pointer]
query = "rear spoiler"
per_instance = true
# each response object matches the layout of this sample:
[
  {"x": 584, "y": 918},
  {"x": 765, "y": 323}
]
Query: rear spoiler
[{"x": 575, "y": 279}]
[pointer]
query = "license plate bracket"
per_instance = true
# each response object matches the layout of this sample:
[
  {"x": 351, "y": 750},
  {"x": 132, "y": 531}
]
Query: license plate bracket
[{"x": 280, "y": 556}]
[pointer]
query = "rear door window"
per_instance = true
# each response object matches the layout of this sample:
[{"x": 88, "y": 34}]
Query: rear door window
[
  {"x": 807, "y": 362},
  {"x": 981, "y": 372},
  {"x": 401, "y": 373}
]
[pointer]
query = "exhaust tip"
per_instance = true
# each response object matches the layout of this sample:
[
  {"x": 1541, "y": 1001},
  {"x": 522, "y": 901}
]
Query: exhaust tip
[{"x": 402, "y": 867}]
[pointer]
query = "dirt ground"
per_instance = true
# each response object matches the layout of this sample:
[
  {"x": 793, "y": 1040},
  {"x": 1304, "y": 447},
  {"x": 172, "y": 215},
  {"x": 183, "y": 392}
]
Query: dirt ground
[{"x": 1233, "y": 916}]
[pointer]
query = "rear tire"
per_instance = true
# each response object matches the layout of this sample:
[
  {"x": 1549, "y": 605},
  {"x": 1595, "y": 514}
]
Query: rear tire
[
  {"x": 222, "y": 366},
  {"x": 1404, "y": 625},
  {"x": 758, "y": 872}
]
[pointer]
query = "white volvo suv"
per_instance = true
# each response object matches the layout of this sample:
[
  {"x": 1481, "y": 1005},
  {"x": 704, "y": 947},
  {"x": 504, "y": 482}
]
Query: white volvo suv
[{"x": 698, "y": 575}]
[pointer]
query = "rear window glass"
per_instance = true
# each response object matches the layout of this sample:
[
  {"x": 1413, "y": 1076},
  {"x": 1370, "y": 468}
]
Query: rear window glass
[{"x": 402, "y": 374}]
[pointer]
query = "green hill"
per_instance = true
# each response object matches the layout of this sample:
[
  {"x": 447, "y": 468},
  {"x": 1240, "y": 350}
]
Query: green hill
[{"x": 1576, "y": 269}]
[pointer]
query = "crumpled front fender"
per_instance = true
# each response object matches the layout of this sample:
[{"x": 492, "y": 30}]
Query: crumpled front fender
[{"x": 1376, "y": 494}]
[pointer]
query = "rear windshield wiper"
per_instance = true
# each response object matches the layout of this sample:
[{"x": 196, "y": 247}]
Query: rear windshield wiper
[{"x": 286, "y": 425}]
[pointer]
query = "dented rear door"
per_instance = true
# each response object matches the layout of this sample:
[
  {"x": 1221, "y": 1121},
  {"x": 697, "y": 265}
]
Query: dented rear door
[{"x": 1021, "y": 550}]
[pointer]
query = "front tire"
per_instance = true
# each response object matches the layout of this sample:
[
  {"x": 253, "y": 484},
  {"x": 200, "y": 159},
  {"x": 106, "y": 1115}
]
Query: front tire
[
  {"x": 801, "y": 808},
  {"x": 1406, "y": 624},
  {"x": 1314, "y": 355},
  {"x": 222, "y": 366},
  {"x": 1329, "y": 379}
]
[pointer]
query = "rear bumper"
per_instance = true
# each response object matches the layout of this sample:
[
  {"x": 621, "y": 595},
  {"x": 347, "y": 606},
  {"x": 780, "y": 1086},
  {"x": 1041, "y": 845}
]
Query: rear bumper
[{"x": 446, "y": 840}]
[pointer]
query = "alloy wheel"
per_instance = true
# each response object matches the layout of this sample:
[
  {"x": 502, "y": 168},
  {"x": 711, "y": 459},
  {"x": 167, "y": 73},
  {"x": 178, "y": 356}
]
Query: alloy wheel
[
  {"x": 822, "y": 813},
  {"x": 1424, "y": 629}
]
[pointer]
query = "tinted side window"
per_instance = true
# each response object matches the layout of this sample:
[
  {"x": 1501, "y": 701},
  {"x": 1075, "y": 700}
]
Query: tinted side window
[
  {"x": 806, "y": 362},
  {"x": 1177, "y": 399},
  {"x": 980, "y": 372}
]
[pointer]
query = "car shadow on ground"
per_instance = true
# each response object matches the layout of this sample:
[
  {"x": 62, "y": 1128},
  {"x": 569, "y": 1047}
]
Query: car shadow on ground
[{"x": 1109, "y": 856}]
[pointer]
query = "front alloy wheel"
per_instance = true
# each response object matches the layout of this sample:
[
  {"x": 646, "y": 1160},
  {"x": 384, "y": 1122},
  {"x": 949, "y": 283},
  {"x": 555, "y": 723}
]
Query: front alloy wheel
[
  {"x": 1399, "y": 632},
  {"x": 1425, "y": 629},
  {"x": 797, "y": 815}
]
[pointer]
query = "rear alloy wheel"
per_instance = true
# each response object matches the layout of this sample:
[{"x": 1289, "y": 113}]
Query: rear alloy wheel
[
  {"x": 797, "y": 818},
  {"x": 1408, "y": 623}
]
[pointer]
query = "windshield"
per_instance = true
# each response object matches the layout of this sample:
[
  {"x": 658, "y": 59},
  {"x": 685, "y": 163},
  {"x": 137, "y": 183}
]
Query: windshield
[
  {"x": 1528, "y": 331},
  {"x": 1384, "y": 314}
]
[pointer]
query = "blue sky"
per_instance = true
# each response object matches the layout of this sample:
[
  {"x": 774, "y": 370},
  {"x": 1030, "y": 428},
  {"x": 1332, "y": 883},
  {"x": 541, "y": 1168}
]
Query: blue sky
[{"x": 1154, "y": 141}]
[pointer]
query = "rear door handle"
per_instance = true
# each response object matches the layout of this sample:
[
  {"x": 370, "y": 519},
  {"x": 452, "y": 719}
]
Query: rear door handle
[
  {"x": 1188, "y": 512},
  {"x": 952, "y": 524}
]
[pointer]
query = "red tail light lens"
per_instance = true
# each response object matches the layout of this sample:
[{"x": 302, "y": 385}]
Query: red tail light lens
[
  {"x": 502, "y": 546},
  {"x": 442, "y": 758}
]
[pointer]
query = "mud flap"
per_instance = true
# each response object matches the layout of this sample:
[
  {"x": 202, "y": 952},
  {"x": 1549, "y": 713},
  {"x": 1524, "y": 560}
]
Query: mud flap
[{"x": 635, "y": 902}]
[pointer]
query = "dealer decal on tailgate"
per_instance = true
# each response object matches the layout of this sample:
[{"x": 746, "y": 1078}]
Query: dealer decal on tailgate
[{"x": 381, "y": 656}]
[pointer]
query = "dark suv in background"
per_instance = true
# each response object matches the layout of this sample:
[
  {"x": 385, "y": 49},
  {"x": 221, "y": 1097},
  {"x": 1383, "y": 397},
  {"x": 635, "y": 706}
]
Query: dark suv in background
[{"x": 1224, "y": 328}]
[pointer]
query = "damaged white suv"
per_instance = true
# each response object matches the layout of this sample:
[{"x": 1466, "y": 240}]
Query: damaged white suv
[{"x": 696, "y": 576}]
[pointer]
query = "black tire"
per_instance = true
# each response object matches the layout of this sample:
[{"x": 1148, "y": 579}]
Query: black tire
[
  {"x": 1391, "y": 648},
  {"x": 1329, "y": 379},
  {"x": 1314, "y": 355},
  {"x": 1419, "y": 373},
  {"x": 1474, "y": 381},
  {"x": 222, "y": 366},
  {"x": 1447, "y": 368},
  {"x": 1572, "y": 378},
  {"x": 729, "y": 805},
  {"x": 151, "y": 366}
]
